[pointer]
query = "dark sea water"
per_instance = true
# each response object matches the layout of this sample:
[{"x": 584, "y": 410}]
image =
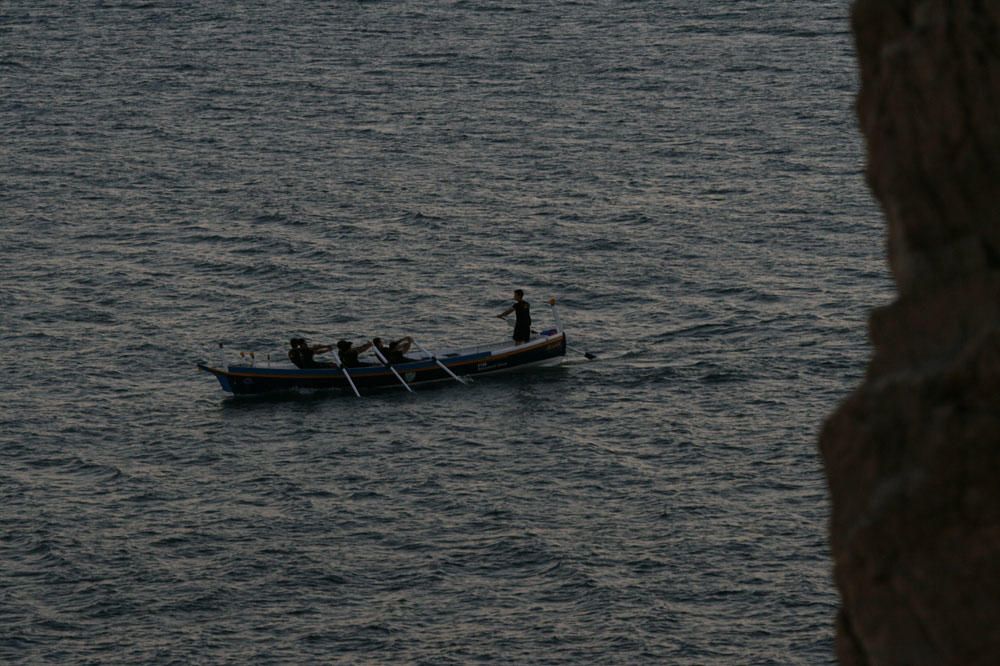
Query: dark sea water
[{"x": 684, "y": 176}]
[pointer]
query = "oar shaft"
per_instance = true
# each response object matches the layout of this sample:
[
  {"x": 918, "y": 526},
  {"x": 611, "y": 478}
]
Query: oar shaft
[
  {"x": 340, "y": 366},
  {"x": 440, "y": 364},
  {"x": 385, "y": 362},
  {"x": 348, "y": 375}
]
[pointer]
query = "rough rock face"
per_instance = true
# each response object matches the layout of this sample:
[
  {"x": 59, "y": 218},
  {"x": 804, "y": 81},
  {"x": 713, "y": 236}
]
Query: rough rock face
[{"x": 913, "y": 456}]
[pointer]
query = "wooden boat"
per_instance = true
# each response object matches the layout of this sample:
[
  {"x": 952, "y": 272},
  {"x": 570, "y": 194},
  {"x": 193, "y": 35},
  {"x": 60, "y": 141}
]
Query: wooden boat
[{"x": 547, "y": 348}]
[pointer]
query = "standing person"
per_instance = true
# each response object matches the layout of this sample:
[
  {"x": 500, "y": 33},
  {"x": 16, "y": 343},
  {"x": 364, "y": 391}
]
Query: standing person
[
  {"x": 349, "y": 353},
  {"x": 522, "y": 325}
]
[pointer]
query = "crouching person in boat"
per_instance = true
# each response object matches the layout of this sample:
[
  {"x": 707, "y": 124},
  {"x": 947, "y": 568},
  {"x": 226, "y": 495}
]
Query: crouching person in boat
[
  {"x": 395, "y": 352},
  {"x": 301, "y": 354},
  {"x": 349, "y": 353}
]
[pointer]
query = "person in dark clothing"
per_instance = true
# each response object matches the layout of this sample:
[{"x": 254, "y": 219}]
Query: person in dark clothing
[
  {"x": 301, "y": 354},
  {"x": 398, "y": 349},
  {"x": 395, "y": 352},
  {"x": 522, "y": 310},
  {"x": 349, "y": 353}
]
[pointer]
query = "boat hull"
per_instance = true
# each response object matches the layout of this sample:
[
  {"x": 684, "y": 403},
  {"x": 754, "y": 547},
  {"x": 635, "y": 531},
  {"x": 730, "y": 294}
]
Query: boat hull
[{"x": 250, "y": 380}]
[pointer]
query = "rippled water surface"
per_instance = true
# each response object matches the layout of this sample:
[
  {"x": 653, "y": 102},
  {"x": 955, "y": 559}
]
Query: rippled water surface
[{"x": 685, "y": 177}]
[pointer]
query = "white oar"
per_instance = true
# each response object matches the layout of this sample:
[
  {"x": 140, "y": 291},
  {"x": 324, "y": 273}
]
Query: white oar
[
  {"x": 346, "y": 374},
  {"x": 443, "y": 366},
  {"x": 588, "y": 355},
  {"x": 385, "y": 362}
]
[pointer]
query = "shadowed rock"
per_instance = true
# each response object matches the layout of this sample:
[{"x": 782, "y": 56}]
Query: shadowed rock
[{"x": 913, "y": 456}]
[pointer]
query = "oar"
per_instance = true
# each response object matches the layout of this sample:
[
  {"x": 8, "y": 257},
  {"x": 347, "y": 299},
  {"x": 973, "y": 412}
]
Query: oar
[
  {"x": 585, "y": 354},
  {"x": 442, "y": 365},
  {"x": 385, "y": 362},
  {"x": 350, "y": 381},
  {"x": 555, "y": 315}
]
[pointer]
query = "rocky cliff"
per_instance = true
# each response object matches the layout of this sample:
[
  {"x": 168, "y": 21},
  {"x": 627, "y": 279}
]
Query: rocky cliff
[{"x": 913, "y": 456}]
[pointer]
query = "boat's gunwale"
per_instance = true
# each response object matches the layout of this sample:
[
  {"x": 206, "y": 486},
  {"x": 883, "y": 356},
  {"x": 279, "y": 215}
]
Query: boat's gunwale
[{"x": 453, "y": 359}]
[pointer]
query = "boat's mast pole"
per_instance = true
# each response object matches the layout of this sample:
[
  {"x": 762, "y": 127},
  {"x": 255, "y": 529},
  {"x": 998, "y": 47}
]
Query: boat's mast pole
[{"x": 555, "y": 313}]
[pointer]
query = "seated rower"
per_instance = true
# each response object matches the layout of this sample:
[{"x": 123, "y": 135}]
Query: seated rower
[
  {"x": 398, "y": 349},
  {"x": 301, "y": 354},
  {"x": 349, "y": 353},
  {"x": 395, "y": 352},
  {"x": 380, "y": 347}
]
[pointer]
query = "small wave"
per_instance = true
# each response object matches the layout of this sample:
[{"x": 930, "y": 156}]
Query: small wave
[
  {"x": 365, "y": 495},
  {"x": 75, "y": 464},
  {"x": 270, "y": 218},
  {"x": 724, "y": 377},
  {"x": 425, "y": 221}
]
